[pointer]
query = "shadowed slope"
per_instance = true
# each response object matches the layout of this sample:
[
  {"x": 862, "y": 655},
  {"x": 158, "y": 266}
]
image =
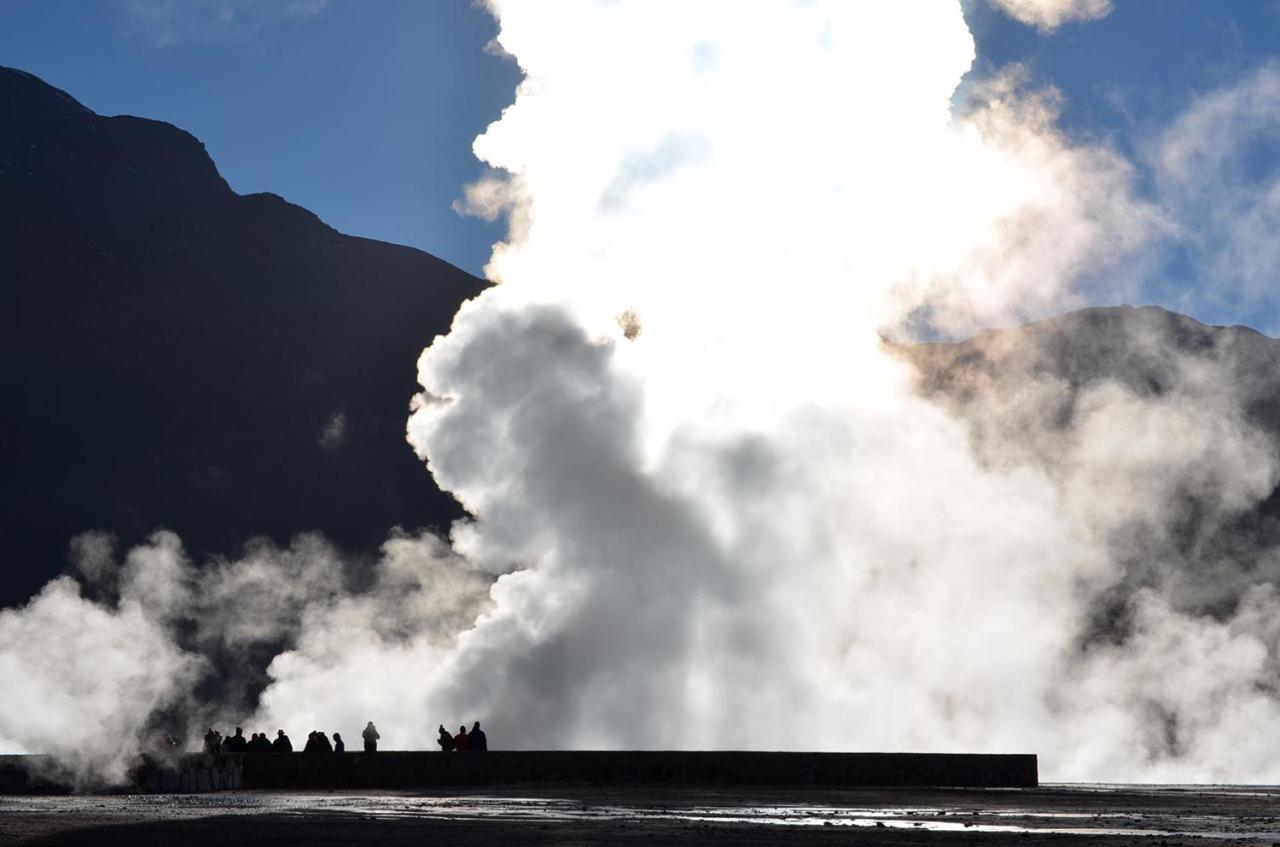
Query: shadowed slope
[{"x": 174, "y": 354}]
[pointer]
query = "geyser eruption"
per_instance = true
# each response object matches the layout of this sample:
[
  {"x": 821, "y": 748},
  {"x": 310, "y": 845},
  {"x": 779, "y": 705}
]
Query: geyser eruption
[
  {"x": 744, "y": 518},
  {"x": 712, "y": 508}
]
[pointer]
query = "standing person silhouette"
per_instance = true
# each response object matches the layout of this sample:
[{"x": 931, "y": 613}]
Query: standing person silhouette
[
  {"x": 460, "y": 741},
  {"x": 371, "y": 737},
  {"x": 236, "y": 743},
  {"x": 478, "y": 742},
  {"x": 445, "y": 740},
  {"x": 338, "y": 745}
]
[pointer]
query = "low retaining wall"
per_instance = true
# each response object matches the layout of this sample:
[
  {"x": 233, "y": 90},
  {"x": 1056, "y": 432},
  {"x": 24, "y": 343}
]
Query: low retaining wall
[
  {"x": 413, "y": 770},
  {"x": 29, "y": 775},
  {"x": 182, "y": 774},
  {"x": 190, "y": 774}
]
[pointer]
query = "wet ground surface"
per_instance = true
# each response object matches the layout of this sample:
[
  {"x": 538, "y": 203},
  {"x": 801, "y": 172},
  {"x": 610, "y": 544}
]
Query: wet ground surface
[{"x": 1080, "y": 814}]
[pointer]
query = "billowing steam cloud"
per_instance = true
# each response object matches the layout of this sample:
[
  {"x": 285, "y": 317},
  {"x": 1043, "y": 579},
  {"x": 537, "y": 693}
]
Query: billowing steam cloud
[
  {"x": 745, "y": 518},
  {"x": 81, "y": 678},
  {"x": 712, "y": 507},
  {"x": 159, "y": 644}
]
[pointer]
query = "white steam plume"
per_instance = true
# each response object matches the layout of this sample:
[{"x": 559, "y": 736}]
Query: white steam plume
[
  {"x": 94, "y": 681},
  {"x": 711, "y": 507},
  {"x": 744, "y": 518},
  {"x": 83, "y": 678}
]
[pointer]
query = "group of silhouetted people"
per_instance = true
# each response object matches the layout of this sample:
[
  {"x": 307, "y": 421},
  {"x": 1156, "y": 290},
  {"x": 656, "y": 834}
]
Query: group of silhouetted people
[
  {"x": 215, "y": 743},
  {"x": 317, "y": 742},
  {"x": 256, "y": 743},
  {"x": 463, "y": 742}
]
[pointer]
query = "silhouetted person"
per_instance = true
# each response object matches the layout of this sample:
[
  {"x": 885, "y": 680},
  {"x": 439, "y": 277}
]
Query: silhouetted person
[
  {"x": 371, "y": 737},
  {"x": 236, "y": 743},
  {"x": 478, "y": 741},
  {"x": 259, "y": 743},
  {"x": 445, "y": 740},
  {"x": 338, "y": 745},
  {"x": 460, "y": 741},
  {"x": 322, "y": 743},
  {"x": 212, "y": 741},
  {"x": 282, "y": 744},
  {"x": 312, "y": 746}
]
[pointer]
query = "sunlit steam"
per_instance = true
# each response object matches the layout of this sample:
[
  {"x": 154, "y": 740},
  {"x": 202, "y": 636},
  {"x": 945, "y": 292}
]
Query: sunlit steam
[
  {"x": 744, "y": 519},
  {"x": 712, "y": 506}
]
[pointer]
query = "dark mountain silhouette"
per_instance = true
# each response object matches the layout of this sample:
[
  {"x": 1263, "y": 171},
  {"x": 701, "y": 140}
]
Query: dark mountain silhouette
[{"x": 173, "y": 354}]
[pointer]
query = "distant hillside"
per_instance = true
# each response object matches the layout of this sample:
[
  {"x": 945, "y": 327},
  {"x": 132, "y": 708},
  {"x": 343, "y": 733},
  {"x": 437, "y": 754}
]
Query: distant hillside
[
  {"x": 175, "y": 354},
  {"x": 1024, "y": 382},
  {"x": 1028, "y": 394}
]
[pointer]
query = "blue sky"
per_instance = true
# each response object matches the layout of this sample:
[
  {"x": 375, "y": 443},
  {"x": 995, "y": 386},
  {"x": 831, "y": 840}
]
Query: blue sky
[
  {"x": 364, "y": 110},
  {"x": 1126, "y": 79}
]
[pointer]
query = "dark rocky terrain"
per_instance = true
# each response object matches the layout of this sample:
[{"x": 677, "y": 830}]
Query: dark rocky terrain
[{"x": 172, "y": 353}]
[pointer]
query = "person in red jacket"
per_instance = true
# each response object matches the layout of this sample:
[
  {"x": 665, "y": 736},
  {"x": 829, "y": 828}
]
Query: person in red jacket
[{"x": 460, "y": 741}]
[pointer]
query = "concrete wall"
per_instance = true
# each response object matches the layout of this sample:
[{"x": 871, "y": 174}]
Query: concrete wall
[
  {"x": 182, "y": 774},
  {"x": 29, "y": 775},
  {"x": 400, "y": 770},
  {"x": 190, "y": 774},
  {"x": 420, "y": 769}
]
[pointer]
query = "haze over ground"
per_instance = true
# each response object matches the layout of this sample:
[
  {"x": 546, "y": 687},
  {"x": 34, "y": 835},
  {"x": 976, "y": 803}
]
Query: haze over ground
[{"x": 694, "y": 463}]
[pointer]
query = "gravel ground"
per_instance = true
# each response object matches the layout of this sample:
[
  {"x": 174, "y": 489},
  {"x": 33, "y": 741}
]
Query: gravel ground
[{"x": 1075, "y": 815}]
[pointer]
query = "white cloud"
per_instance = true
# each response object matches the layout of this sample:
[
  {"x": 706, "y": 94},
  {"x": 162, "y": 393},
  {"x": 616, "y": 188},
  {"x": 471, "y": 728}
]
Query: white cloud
[
  {"x": 1048, "y": 15},
  {"x": 1214, "y": 172},
  {"x": 167, "y": 23}
]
